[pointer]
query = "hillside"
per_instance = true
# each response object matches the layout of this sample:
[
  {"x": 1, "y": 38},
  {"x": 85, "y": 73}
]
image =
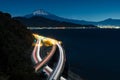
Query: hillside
[{"x": 15, "y": 42}]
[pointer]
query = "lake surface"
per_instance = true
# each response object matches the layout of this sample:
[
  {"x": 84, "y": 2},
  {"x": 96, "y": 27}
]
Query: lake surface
[{"x": 94, "y": 54}]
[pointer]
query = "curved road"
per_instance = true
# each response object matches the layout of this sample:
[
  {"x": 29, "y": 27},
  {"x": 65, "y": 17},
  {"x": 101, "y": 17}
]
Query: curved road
[
  {"x": 40, "y": 63},
  {"x": 58, "y": 70}
]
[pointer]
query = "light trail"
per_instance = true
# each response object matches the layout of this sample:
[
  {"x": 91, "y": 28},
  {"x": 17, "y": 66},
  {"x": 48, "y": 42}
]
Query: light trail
[
  {"x": 34, "y": 53},
  {"x": 37, "y": 59},
  {"x": 46, "y": 59},
  {"x": 47, "y": 69},
  {"x": 57, "y": 71},
  {"x": 38, "y": 50},
  {"x": 40, "y": 63}
]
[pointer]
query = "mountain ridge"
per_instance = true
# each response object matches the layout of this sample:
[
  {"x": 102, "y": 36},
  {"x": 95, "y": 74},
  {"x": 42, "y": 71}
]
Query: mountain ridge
[
  {"x": 55, "y": 17},
  {"x": 45, "y": 14},
  {"x": 39, "y": 21},
  {"x": 41, "y": 18}
]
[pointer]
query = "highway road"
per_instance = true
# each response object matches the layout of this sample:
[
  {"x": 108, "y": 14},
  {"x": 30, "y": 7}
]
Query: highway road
[
  {"x": 58, "y": 70},
  {"x": 45, "y": 60},
  {"x": 53, "y": 74}
]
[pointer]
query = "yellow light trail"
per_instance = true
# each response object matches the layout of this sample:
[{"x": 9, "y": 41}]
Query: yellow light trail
[{"x": 47, "y": 41}]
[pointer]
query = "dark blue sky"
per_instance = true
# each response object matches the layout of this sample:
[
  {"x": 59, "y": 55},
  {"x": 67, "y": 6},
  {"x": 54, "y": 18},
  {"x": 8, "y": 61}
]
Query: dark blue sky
[{"x": 91, "y": 10}]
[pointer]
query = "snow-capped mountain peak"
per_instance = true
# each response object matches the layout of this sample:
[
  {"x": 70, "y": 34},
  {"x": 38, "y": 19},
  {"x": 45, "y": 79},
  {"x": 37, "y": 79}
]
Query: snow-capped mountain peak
[
  {"x": 40, "y": 12},
  {"x": 43, "y": 13}
]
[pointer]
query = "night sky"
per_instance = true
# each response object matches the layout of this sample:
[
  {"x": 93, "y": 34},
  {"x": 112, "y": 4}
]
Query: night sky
[{"x": 90, "y": 10}]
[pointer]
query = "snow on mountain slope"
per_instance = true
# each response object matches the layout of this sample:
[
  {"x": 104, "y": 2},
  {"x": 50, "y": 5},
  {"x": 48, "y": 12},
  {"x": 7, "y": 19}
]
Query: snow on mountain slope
[{"x": 40, "y": 12}]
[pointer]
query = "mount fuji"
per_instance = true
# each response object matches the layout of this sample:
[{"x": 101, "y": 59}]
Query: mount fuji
[
  {"x": 41, "y": 18},
  {"x": 44, "y": 14},
  {"x": 51, "y": 16}
]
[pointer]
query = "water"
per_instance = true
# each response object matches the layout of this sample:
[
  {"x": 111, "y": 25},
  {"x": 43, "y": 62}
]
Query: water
[{"x": 94, "y": 54}]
